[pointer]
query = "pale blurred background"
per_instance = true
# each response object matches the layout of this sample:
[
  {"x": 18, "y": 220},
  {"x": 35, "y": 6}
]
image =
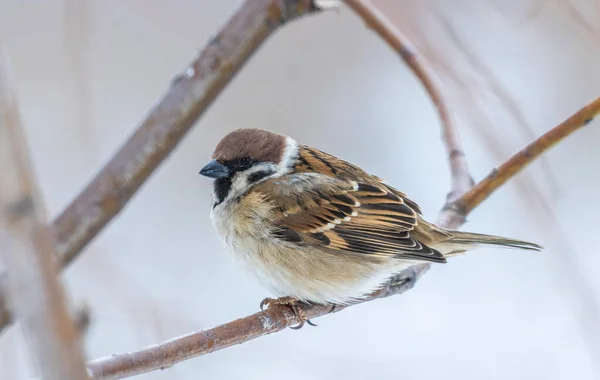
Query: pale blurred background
[{"x": 87, "y": 71}]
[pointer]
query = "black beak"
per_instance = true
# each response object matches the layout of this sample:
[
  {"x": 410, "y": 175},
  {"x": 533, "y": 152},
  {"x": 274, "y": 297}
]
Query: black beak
[{"x": 215, "y": 169}]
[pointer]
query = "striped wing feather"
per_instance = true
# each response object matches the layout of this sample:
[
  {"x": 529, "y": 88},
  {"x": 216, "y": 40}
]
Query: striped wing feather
[{"x": 345, "y": 215}]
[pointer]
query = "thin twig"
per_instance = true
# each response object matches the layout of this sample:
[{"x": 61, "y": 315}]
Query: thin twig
[
  {"x": 278, "y": 318},
  {"x": 34, "y": 293},
  {"x": 461, "y": 180},
  {"x": 523, "y": 158},
  {"x": 189, "y": 95}
]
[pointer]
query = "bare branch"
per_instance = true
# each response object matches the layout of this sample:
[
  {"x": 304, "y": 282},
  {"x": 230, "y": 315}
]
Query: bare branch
[
  {"x": 520, "y": 160},
  {"x": 33, "y": 290},
  {"x": 460, "y": 177},
  {"x": 274, "y": 319},
  {"x": 190, "y": 94},
  {"x": 277, "y": 318}
]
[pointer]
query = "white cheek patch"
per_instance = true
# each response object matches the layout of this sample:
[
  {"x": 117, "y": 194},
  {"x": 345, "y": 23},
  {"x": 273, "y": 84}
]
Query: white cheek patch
[{"x": 240, "y": 182}]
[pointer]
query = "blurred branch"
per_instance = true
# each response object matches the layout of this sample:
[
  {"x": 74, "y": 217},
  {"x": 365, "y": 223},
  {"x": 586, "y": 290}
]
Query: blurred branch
[
  {"x": 33, "y": 290},
  {"x": 190, "y": 94},
  {"x": 461, "y": 180},
  {"x": 277, "y": 318}
]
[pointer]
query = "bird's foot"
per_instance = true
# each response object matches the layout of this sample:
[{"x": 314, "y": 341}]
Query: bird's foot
[{"x": 293, "y": 304}]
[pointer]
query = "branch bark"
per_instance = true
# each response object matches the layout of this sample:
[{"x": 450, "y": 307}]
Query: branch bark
[
  {"x": 33, "y": 290},
  {"x": 166, "y": 354},
  {"x": 190, "y": 94}
]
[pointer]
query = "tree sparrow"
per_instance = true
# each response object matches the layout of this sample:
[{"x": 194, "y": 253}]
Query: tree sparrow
[{"x": 318, "y": 229}]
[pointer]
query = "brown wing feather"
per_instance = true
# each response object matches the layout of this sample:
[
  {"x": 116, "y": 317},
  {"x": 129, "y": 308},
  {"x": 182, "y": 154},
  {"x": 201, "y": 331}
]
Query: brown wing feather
[
  {"x": 314, "y": 160},
  {"x": 333, "y": 204}
]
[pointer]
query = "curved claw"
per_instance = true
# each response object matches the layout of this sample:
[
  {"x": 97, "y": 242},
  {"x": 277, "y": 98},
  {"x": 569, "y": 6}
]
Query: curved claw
[
  {"x": 292, "y": 304},
  {"x": 266, "y": 302},
  {"x": 300, "y": 325}
]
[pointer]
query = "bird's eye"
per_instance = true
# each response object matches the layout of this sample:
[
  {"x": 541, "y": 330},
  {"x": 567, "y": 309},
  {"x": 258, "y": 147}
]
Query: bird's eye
[{"x": 245, "y": 162}]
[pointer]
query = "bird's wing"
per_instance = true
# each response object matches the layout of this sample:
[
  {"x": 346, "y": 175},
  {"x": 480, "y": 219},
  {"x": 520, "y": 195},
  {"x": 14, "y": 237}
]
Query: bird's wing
[{"x": 344, "y": 215}]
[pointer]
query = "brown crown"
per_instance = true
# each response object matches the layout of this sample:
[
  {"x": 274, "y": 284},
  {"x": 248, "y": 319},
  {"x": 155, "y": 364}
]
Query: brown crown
[{"x": 259, "y": 144}]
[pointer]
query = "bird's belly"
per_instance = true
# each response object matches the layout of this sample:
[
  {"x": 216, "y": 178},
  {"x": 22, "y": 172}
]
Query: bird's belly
[{"x": 318, "y": 276}]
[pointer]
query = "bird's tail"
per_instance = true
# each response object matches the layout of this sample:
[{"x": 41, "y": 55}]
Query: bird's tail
[{"x": 459, "y": 242}]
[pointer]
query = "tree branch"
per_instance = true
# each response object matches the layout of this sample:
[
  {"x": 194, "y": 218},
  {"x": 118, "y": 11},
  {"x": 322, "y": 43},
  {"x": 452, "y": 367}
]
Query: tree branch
[
  {"x": 33, "y": 290},
  {"x": 498, "y": 177},
  {"x": 277, "y": 318},
  {"x": 272, "y": 320},
  {"x": 461, "y": 180},
  {"x": 190, "y": 94}
]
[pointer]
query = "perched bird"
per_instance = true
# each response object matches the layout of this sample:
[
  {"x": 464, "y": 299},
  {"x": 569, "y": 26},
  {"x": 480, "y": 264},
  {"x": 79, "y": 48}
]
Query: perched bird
[{"x": 318, "y": 229}]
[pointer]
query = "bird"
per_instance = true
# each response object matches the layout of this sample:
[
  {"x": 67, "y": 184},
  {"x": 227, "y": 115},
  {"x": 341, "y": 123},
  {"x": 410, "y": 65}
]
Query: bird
[{"x": 314, "y": 228}]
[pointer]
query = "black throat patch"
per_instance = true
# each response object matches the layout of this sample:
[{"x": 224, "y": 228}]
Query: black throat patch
[{"x": 222, "y": 186}]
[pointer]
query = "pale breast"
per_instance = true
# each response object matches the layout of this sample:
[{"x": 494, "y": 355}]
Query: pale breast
[
  {"x": 241, "y": 225},
  {"x": 243, "y": 229}
]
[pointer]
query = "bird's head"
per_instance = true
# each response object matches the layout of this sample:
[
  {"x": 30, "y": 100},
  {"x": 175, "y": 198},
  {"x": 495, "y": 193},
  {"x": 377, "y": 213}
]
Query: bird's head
[{"x": 246, "y": 157}]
